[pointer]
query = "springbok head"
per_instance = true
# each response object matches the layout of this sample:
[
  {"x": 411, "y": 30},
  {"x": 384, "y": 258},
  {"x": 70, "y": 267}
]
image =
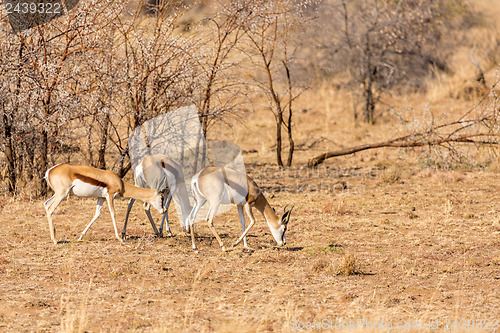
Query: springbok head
[
  {"x": 279, "y": 234},
  {"x": 159, "y": 201}
]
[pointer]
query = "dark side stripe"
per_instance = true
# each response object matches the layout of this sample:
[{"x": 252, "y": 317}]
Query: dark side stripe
[{"x": 90, "y": 181}]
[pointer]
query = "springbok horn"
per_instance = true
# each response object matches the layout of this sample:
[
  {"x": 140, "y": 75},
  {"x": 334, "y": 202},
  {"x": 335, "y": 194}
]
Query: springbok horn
[{"x": 290, "y": 213}]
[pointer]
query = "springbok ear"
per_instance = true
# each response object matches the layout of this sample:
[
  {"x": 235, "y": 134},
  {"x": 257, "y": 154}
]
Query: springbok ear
[{"x": 286, "y": 215}]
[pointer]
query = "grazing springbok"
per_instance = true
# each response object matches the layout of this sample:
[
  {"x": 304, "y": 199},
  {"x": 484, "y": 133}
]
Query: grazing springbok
[
  {"x": 226, "y": 186},
  {"x": 90, "y": 182},
  {"x": 158, "y": 171}
]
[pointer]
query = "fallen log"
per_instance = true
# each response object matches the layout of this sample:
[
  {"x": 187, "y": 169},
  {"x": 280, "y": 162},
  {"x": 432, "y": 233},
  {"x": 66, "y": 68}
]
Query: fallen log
[
  {"x": 480, "y": 130},
  {"x": 407, "y": 141}
]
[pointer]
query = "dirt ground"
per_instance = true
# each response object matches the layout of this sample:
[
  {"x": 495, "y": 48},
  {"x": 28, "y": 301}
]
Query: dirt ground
[
  {"x": 368, "y": 240},
  {"x": 382, "y": 240},
  {"x": 376, "y": 238}
]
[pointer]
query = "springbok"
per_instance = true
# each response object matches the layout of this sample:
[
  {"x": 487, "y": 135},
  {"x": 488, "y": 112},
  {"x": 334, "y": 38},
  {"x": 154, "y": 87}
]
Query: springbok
[
  {"x": 90, "y": 182},
  {"x": 158, "y": 171},
  {"x": 224, "y": 186}
]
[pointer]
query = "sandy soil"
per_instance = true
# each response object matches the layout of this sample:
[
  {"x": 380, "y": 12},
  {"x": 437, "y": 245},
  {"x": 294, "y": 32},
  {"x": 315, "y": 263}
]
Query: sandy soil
[{"x": 367, "y": 240}]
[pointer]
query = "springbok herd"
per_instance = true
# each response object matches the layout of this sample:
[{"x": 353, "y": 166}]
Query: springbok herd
[{"x": 157, "y": 175}]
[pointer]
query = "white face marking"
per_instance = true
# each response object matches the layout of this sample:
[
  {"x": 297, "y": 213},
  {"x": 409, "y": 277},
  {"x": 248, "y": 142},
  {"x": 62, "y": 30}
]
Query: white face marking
[
  {"x": 158, "y": 204},
  {"x": 278, "y": 234},
  {"x": 86, "y": 190}
]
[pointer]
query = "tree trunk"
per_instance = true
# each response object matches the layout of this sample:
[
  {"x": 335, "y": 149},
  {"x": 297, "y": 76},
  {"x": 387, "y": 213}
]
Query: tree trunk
[
  {"x": 8, "y": 129},
  {"x": 101, "y": 161},
  {"x": 278, "y": 111},
  {"x": 279, "y": 120},
  {"x": 291, "y": 144},
  {"x": 101, "y": 153},
  {"x": 123, "y": 167},
  {"x": 43, "y": 159},
  {"x": 27, "y": 171},
  {"x": 204, "y": 128},
  {"x": 369, "y": 103},
  {"x": 9, "y": 154},
  {"x": 90, "y": 146},
  {"x": 369, "y": 78}
]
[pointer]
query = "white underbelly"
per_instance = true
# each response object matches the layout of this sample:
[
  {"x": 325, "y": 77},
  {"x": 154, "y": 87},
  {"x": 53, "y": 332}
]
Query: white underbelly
[{"x": 83, "y": 189}]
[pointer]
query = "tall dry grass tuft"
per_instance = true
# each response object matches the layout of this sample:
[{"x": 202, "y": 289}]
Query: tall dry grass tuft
[
  {"x": 193, "y": 302},
  {"x": 448, "y": 210},
  {"x": 74, "y": 320},
  {"x": 349, "y": 265},
  {"x": 342, "y": 209}
]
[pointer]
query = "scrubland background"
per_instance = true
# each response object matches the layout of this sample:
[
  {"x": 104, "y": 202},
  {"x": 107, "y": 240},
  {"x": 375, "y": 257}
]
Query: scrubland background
[{"x": 406, "y": 234}]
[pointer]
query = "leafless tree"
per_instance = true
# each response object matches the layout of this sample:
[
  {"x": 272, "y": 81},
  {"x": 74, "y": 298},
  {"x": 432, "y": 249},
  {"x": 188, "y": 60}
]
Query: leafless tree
[
  {"x": 40, "y": 103},
  {"x": 385, "y": 44},
  {"x": 223, "y": 32},
  {"x": 271, "y": 49},
  {"x": 157, "y": 70}
]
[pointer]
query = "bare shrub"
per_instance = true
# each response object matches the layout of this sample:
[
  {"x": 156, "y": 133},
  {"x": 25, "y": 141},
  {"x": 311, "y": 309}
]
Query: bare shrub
[
  {"x": 41, "y": 67},
  {"x": 385, "y": 45},
  {"x": 349, "y": 265},
  {"x": 272, "y": 41}
]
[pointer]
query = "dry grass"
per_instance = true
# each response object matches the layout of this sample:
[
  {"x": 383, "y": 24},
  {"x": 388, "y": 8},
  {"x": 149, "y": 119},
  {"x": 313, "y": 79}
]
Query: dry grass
[
  {"x": 397, "y": 242},
  {"x": 349, "y": 265},
  {"x": 370, "y": 260},
  {"x": 374, "y": 236}
]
